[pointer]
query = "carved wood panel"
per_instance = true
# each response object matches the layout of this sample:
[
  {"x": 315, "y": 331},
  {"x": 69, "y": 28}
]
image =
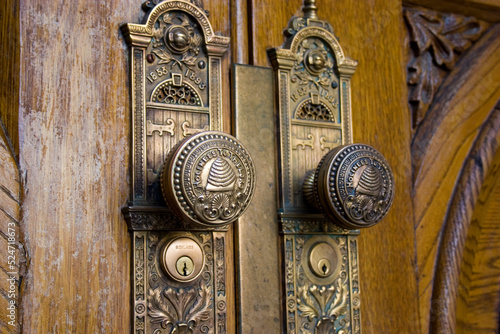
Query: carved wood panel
[{"x": 453, "y": 88}]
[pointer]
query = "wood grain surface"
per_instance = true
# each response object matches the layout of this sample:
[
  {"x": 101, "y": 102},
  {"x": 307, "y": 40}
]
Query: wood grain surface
[
  {"x": 74, "y": 147},
  {"x": 478, "y": 299},
  {"x": 373, "y": 35},
  {"x": 456, "y": 227},
  {"x": 9, "y": 70},
  {"x": 65, "y": 106},
  {"x": 74, "y": 144},
  {"x": 453, "y": 121}
]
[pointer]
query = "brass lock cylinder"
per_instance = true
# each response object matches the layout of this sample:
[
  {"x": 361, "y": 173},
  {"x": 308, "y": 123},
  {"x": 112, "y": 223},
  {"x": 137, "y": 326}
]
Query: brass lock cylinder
[{"x": 182, "y": 259}]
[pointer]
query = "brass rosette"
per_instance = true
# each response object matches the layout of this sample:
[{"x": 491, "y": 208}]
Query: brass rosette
[
  {"x": 354, "y": 186},
  {"x": 208, "y": 179}
]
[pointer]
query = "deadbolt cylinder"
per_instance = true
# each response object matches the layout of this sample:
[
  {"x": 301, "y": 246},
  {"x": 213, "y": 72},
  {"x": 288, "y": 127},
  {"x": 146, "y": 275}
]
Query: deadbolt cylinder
[{"x": 182, "y": 259}]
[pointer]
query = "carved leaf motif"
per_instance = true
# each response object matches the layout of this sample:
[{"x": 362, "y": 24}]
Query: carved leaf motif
[
  {"x": 180, "y": 300},
  {"x": 185, "y": 307},
  {"x": 339, "y": 304},
  {"x": 324, "y": 81},
  {"x": 306, "y": 304},
  {"x": 184, "y": 20},
  {"x": 322, "y": 295},
  {"x": 195, "y": 43},
  {"x": 158, "y": 34},
  {"x": 443, "y": 35},
  {"x": 167, "y": 18},
  {"x": 200, "y": 310},
  {"x": 163, "y": 55},
  {"x": 158, "y": 310},
  {"x": 189, "y": 61},
  {"x": 437, "y": 40},
  {"x": 302, "y": 77}
]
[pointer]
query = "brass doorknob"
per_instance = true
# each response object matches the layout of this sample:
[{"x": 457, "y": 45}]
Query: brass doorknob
[
  {"x": 208, "y": 179},
  {"x": 353, "y": 186}
]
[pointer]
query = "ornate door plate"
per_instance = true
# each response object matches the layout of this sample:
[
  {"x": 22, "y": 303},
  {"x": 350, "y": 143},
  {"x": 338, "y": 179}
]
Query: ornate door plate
[
  {"x": 179, "y": 272},
  {"x": 328, "y": 187}
]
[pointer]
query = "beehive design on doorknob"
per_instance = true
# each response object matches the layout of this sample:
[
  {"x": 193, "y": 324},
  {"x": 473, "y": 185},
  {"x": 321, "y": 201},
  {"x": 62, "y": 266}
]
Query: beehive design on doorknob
[
  {"x": 208, "y": 179},
  {"x": 353, "y": 186},
  {"x": 328, "y": 188}
]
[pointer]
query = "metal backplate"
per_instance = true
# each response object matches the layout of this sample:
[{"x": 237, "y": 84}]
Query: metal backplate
[
  {"x": 175, "y": 70},
  {"x": 319, "y": 261},
  {"x": 257, "y": 232}
]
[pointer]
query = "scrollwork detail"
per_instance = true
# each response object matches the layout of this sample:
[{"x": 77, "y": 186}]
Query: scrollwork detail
[
  {"x": 314, "y": 64},
  {"x": 150, "y": 4},
  {"x": 180, "y": 310},
  {"x": 175, "y": 34},
  {"x": 436, "y": 42},
  {"x": 325, "y": 304},
  {"x": 311, "y": 226}
]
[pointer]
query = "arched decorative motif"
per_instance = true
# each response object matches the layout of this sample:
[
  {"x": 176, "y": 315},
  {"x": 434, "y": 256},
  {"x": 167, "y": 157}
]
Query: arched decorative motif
[
  {"x": 310, "y": 111},
  {"x": 458, "y": 220},
  {"x": 312, "y": 70},
  {"x": 454, "y": 119},
  {"x": 182, "y": 94},
  {"x": 176, "y": 45},
  {"x": 147, "y": 29}
]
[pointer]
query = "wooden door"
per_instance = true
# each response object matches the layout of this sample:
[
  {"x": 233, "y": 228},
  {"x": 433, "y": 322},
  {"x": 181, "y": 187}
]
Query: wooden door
[{"x": 430, "y": 267}]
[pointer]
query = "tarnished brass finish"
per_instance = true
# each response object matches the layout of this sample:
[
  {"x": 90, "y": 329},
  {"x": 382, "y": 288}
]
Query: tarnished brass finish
[
  {"x": 175, "y": 60},
  {"x": 256, "y": 237},
  {"x": 327, "y": 190},
  {"x": 353, "y": 185},
  {"x": 322, "y": 261},
  {"x": 209, "y": 179},
  {"x": 182, "y": 259},
  {"x": 175, "y": 78}
]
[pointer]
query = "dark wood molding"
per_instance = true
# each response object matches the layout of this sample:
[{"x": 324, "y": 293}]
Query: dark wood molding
[{"x": 10, "y": 67}]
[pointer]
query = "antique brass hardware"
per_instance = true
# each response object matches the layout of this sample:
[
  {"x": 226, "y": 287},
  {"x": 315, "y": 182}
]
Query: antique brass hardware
[
  {"x": 182, "y": 259},
  {"x": 179, "y": 241},
  {"x": 353, "y": 185},
  {"x": 328, "y": 187},
  {"x": 209, "y": 179},
  {"x": 322, "y": 260}
]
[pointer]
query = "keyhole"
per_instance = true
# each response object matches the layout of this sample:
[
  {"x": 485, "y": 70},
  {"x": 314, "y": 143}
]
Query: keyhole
[
  {"x": 184, "y": 266},
  {"x": 323, "y": 268}
]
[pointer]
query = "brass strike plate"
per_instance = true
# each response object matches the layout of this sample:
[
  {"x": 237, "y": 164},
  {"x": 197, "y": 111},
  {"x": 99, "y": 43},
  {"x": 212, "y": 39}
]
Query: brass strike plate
[{"x": 178, "y": 263}]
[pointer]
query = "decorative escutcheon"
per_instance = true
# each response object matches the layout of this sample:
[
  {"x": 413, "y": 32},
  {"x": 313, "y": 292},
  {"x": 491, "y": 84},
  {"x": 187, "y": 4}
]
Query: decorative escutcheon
[
  {"x": 353, "y": 185},
  {"x": 208, "y": 179}
]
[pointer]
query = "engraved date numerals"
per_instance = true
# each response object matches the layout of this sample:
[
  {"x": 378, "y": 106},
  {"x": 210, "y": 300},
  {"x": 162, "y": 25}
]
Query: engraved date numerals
[{"x": 158, "y": 73}]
